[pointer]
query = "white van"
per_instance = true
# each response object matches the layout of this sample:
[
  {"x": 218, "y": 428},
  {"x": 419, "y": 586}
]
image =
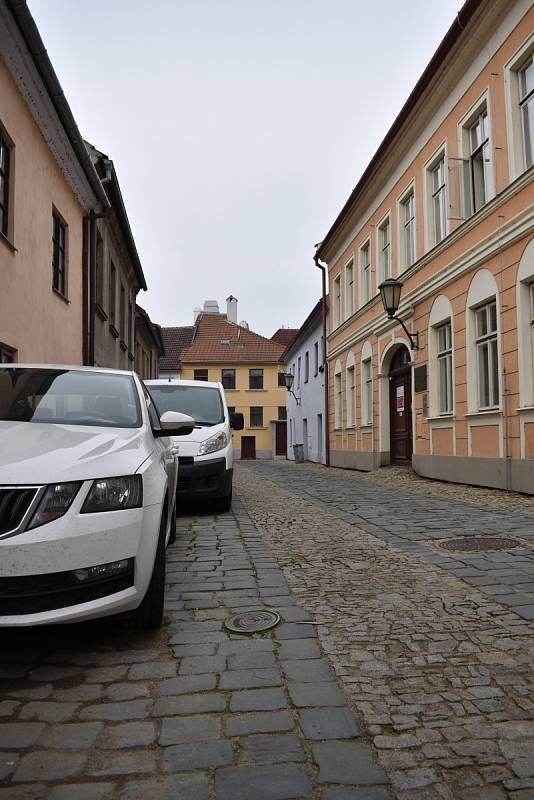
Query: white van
[{"x": 205, "y": 456}]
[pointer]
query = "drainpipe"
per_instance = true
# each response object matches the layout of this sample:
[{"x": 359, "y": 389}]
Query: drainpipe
[{"x": 325, "y": 364}]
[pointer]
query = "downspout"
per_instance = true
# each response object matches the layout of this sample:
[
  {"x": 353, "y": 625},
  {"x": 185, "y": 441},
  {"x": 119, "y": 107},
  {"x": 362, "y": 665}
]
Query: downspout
[{"x": 325, "y": 364}]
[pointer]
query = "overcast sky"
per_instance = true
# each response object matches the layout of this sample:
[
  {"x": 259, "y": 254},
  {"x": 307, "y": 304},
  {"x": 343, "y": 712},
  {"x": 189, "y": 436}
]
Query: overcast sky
[{"x": 238, "y": 129}]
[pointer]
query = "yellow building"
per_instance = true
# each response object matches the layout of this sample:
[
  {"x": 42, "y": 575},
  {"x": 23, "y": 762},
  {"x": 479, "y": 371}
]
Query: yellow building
[{"x": 249, "y": 366}]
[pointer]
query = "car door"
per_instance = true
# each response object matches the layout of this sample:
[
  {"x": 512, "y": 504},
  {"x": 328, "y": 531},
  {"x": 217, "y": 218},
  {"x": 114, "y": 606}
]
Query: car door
[{"x": 164, "y": 445}]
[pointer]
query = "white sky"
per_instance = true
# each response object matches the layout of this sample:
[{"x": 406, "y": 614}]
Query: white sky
[{"x": 238, "y": 130}]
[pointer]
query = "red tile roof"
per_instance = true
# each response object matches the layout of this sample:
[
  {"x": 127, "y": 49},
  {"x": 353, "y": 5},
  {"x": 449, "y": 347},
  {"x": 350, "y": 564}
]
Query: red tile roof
[
  {"x": 174, "y": 341},
  {"x": 285, "y": 335},
  {"x": 218, "y": 341}
]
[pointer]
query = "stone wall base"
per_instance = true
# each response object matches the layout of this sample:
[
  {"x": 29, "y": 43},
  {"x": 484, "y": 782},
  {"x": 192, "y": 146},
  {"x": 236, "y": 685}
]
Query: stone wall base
[
  {"x": 358, "y": 459},
  {"x": 516, "y": 475}
]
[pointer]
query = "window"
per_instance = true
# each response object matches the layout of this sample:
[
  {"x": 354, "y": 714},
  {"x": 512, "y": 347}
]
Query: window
[
  {"x": 384, "y": 250},
  {"x": 228, "y": 378},
  {"x": 316, "y": 358},
  {"x": 351, "y": 397},
  {"x": 5, "y": 160},
  {"x": 290, "y": 432},
  {"x": 112, "y": 293},
  {"x": 349, "y": 288},
  {"x": 306, "y": 367},
  {"x": 365, "y": 267},
  {"x": 444, "y": 355},
  {"x": 231, "y": 409},
  {"x": 281, "y": 379},
  {"x": 122, "y": 313},
  {"x": 439, "y": 205},
  {"x": 526, "y": 104},
  {"x": 130, "y": 327},
  {"x": 282, "y": 412},
  {"x": 255, "y": 379},
  {"x": 407, "y": 208},
  {"x": 367, "y": 393},
  {"x": 298, "y": 372},
  {"x": 480, "y": 161},
  {"x": 59, "y": 235},
  {"x": 200, "y": 374},
  {"x": 487, "y": 355},
  {"x": 337, "y": 301},
  {"x": 256, "y": 417},
  {"x": 337, "y": 400},
  {"x": 99, "y": 270}
]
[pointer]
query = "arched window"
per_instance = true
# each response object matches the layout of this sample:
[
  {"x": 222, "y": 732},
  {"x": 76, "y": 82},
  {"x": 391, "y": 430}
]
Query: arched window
[
  {"x": 351, "y": 391},
  {"x": 338, "y": 419},
  {"x": 441, "y": 358},
  {"x": 525, "y": 325},
  {"x": 367, "y": 384},
  {"x": 483, "y": 332}
]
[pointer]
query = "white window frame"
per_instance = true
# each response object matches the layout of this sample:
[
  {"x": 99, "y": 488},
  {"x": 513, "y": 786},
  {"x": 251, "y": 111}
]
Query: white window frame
[
  {"x": 367, "y": 393},
  {"x": 338, "y": 400},
  {"x": 440, "y": 155},
  {"x": 315, "y": 359},
  {"x": 384, "y": 273},
  {"x": 306, "y": 366},
  {"x": 482, "y": 106},
  {"x": 445, "y": 373},
  {"x": 298, "y": 371},
  {"x": 350, "y": 383},
  {"x": 349, "y": 288},
  {"x": 515, "y": 131},
  {"x": 402, "y": 228},
  {"x": 490, "y": 342},
  {"x": 337, "y": 300},
  {"x": 365, "y": 272}
]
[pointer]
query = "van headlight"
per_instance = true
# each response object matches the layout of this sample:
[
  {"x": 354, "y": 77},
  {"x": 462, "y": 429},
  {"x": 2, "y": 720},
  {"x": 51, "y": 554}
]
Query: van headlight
[
  {"x": 213, "y": 444},
  {"x": 114, "y": 494},
  {"x": 54, "y": 503}
]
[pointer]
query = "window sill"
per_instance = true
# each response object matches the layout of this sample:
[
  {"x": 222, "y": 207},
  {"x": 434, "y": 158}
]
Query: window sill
[
  {"x": 525, "y": 410},
  {"x": 100, "y": 311},
  {"x": 113, "y": 330},
  {"x": 61, "y": 296},
  {"x": 367, "y": 427},
  {"x": 8, "y": 243},
  {"x": 351, "y": 428},
  {"x": 441, "y": 418},
  {"x": 490, "y": 412},
  {"x": 257, "y": 427},
  {"x": 255, "y": 390},
  {"x": 230, "y": 390}
]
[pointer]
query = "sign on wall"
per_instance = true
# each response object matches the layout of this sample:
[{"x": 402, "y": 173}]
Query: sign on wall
[{"x": 400, "y": 399}]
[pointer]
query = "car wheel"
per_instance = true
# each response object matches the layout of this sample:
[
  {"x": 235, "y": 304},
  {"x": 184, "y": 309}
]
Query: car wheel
[
  {"x": 149, "y": 615},
  {"x": 224, "y": 503},
  {"x": 172, "y": 531}
]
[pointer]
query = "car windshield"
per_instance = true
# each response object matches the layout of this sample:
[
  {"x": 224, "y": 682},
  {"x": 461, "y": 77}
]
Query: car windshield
[
  {"x": 203, "y": 403},
  {"x": 68, "y": 397}
]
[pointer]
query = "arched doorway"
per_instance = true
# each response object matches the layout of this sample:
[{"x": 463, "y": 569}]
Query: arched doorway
[{"x": 400, "y": 407}]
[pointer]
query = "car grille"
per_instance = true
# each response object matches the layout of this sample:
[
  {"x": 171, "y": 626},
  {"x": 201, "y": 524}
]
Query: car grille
[
  {"x": 14, "y": 503},
  {"x": 184, "y": 475},
  {"x": 33, "y": 594}
]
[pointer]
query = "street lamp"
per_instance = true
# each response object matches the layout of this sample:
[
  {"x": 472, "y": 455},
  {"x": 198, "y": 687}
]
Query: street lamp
[
  {"x": 288, "y": 380},
  {"x": 390, "y": 292}
]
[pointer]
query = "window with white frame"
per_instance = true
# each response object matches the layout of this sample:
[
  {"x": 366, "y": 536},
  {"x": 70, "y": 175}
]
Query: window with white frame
[
  {"x": 384, "y": 249},
  {"x": 351, "y": 397},
  {"x": 367, "y": 392},
  {"x": 438, "y": 211},
  {"x": 487, "y": 355},
  {"x": 480, "y": 168},
  {"x": 444, "y": 356},
  {"x": 315, "y": 358},
  {"x": 337, "y": 300},
  {"x": 407, "y": 209},
  {"x": 337, "y": 400},
  {"x": 298, "y": 372},
  {"x": 306, "y": 367},
  {"x": 349, "y": 288},
  {"x": 365, "y": 268},
  {"x": 531, "y": 301},
  {"x": 526, "y": 105}
]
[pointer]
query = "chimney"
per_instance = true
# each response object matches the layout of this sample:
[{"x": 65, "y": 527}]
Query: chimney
[
  {"x": 210, "y": 307},
  {"x": 196, "y": 311},
  {"x": 231, "y": 309}
]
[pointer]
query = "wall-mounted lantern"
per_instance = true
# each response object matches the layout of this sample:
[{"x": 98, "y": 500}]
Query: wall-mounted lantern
[
  {"x": 288, "y": 380},
  {"x": 390, "y": 292}
]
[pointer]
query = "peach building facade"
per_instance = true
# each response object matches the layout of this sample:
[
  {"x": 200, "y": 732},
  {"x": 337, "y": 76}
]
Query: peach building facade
[{"x": 446, "y": 206}]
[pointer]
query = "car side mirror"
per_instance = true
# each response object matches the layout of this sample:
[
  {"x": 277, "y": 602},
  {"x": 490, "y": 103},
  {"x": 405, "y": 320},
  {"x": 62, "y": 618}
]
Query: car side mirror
[
  {"x": 173, "y": 423},
  {"x": 237, "y": 421}
]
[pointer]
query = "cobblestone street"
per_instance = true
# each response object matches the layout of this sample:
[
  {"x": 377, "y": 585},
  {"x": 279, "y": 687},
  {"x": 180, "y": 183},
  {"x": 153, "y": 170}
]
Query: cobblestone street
[{"x": 399, "y": 670}]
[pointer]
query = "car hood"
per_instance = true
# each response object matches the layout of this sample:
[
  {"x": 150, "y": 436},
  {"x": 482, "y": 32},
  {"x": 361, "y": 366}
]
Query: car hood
[
  {"x": 33, "y": 452},
  {"x": 200, "y": 434}
]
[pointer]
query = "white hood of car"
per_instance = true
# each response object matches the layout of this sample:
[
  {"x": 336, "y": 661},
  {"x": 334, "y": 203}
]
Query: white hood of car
[
  {"x": 37, "y": 453},
  {"x": 200, "y": 434}
]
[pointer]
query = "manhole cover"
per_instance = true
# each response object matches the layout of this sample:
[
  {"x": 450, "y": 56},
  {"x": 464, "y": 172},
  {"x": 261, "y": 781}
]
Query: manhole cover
[
  {"x": 252, "y": 621},
  {"x": 476, "y": 544}
]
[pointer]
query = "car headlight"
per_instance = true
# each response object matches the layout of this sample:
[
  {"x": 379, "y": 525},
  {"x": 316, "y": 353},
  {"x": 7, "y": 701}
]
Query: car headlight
[
  {"x": 213, "y": 444},
  {"x": 54, "y": 503},
  {"x": 114, "y": 494}
]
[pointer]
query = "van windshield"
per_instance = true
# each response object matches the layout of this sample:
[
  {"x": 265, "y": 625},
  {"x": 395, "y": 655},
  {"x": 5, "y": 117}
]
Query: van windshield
[
  {"x": 203, "y": 403},
  {"x": 68, "y": 397}
]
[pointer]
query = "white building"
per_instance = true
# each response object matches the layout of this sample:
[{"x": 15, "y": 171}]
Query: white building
[{"x": 306, "y": 406}]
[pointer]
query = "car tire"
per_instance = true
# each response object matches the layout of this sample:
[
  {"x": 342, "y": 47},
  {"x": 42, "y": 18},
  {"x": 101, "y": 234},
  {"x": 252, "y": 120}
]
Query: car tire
[
  {"x": 172, "y": 532},
  {"x": 224, "y": 503},
  {"x": 149, "y": 615}
]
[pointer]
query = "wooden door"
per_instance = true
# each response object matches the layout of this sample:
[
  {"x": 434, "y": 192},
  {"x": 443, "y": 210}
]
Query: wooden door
[
  {"x": 281, "y": 439},
  {"x": 400, "y": 408},
  {"x": 248, "y": 447}
]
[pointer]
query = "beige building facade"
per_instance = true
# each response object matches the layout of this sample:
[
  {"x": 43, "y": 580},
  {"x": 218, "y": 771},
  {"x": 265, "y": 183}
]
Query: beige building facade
[{"x": 446, "y": 207}]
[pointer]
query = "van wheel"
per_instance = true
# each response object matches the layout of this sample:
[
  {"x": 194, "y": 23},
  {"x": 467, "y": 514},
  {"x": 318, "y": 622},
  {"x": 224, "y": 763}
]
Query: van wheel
[
  {"x": 224, "y": 503},
  {"x": 172, "y": 532},
  {"x": 149, "y": 615}
]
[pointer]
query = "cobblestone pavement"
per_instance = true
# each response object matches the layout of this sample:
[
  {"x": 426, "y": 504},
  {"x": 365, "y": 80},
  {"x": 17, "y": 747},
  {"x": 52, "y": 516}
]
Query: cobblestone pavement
[
  {"x": 96, "y": 712},
  {"x": 435, "y": 650}
]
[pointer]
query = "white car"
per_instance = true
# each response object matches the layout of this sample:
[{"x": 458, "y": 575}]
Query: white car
[
  {"x": 87, "y": 495},
  {"x": 205, "y": 456}
]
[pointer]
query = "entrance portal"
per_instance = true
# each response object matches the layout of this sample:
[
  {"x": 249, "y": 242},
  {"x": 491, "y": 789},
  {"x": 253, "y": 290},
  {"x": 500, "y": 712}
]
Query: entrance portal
[{"x": 400, "y": 407}]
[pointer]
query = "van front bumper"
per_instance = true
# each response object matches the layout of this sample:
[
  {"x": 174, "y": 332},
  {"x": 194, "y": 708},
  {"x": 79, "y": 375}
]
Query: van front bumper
[{"x": 203, "y": 479}]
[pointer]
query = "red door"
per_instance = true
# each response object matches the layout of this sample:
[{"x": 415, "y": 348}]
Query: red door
[
  {"x": 248, "y": 447},
  {"x": 400, "y": 408},
  {"x": 281, "y": 439}
]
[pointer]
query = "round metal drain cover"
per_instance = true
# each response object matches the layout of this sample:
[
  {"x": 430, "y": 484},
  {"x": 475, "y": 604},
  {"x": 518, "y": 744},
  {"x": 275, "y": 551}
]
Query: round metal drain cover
[
  {"x": 252, "y": 621},
  {"x": 477, "y": 544}
]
